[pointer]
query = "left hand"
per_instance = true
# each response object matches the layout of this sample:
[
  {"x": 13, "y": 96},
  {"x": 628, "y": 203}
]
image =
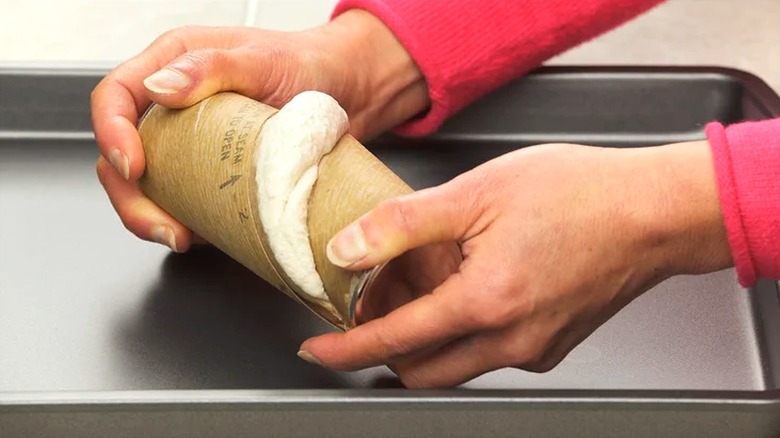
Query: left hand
[
  {"x": 556, "y": 239},
  {"x": 354, "y": 58}
]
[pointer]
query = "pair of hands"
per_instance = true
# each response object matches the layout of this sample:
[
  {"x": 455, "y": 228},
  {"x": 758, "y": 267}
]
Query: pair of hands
[{"x": 555, "y": 238}]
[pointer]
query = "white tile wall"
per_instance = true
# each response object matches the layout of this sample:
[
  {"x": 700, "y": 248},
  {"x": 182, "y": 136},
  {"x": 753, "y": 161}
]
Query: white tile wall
[
  {"x": 292, "y": 14},
  {"x": 744, "y": 34},
  {"x": 739, "y": 33},
  {"x": 100, "y": 30}
]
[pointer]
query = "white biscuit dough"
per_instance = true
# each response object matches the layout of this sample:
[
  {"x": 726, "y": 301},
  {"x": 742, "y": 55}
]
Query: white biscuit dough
[{"x": 291, "y": 145}]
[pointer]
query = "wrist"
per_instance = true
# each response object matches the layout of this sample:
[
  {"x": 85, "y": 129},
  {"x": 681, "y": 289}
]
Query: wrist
[
  {"x": 389, "y": 87},
  {"x": 687, "y": 233}
]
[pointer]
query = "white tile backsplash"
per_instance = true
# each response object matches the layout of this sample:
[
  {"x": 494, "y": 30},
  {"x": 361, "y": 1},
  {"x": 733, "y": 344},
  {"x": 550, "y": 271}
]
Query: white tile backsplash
[
  {"x": 292, "y": 14},
  {"x": 738, "y": 33},
  {"x": 100, "y": 30},
  {"x": 743, "y": 34}
]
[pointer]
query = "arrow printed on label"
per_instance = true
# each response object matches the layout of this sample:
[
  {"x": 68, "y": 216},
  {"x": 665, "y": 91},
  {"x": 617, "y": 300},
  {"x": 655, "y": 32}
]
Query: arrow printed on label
[{"x": 232, "y": 180}]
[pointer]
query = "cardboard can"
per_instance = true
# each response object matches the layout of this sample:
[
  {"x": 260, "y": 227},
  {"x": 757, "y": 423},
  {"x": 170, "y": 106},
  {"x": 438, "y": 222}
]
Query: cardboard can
[{"x": 201, "y": 169}]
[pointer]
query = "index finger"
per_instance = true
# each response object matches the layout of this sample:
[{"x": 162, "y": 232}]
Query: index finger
[
  {"x": 118, "y": 101},
  {"x": 116, "y": 104},
  {"x": 418, "y": 325}
]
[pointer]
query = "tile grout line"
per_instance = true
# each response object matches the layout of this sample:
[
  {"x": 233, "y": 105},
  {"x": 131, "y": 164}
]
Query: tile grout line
[{"x": 251, "y": 12}]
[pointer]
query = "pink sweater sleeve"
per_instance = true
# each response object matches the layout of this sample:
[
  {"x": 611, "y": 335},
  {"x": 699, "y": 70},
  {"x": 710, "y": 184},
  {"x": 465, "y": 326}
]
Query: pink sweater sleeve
[
  {"x": 467, "y": 48},
  {"x": 747, "y": 165}
]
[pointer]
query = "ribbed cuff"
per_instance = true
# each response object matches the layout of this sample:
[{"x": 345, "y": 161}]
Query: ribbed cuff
[
  {"x": 468, "y": 48},
  {"x": 747, "y": 165},
  {"x": 431, "y": 71}
]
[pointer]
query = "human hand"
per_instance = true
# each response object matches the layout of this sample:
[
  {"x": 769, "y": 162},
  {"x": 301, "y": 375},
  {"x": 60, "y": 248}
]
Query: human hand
[
  {"x": 354, "y": 58},
  {"x": 556, "y": 239}
]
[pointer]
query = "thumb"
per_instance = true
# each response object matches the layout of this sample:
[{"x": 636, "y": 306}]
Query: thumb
[
  {"x": 397, "y": 225},
  {"x": 199, "y": 74}
]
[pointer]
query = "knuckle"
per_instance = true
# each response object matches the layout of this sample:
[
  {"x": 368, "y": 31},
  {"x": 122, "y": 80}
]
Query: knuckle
[
  {"x": 170, "y": 36},
  {"x": 127, "y": 226},
  {"x": 503, "y": 316},
  {"x": 100, "y": 170},
  {"x": 471, "y": 189},
  {"x": 125, "y": 212},
  {"x": 388, "y": 343},
  {"x": 498, "y": 303},
  {"x": 174, "y": 41},
  {"x": 276, "y": 58},
  {"x": 485, "y": 318},
  {"x": 128, "y": 210},
  {"x": 93, "y": 95},
  {"x": 401, "y": 214},
  {"x": 535, "y": 353},
  {"x": 530, "y": 356},
  {"x": 414, "y": 380},
  {"x": 97, "y": 93},
  {"x": 178, "y": 34},
  {"x": 204, "y": 58},
  {"x": 541, "y": 365}
]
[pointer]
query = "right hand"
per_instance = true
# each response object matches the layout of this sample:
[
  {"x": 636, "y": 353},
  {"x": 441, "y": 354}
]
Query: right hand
[
  {"x": 555, "y": 239},
  {"x": 354, "y": 58}
]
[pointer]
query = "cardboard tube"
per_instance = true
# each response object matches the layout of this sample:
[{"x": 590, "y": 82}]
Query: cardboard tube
[
  {"x": 350, "y": 183},
  {"x": 200, "y": 168}
]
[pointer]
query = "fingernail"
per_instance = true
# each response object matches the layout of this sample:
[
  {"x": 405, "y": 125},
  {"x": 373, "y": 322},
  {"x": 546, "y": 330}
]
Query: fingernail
[
  {"x": 164, "y": 235},
  {"x": 120, "y": 162},
  {"x": 347, "y": 247},
  {"x": 308, "y": 357},
  {"x": 166, "y": 81}
]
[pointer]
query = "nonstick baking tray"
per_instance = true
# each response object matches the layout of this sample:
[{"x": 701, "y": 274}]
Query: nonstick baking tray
[{"x": 105, "y": 335}]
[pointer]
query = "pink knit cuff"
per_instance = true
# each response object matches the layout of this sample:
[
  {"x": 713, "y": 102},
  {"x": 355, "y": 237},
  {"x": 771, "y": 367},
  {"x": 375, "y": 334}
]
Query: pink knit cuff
[
  {"x": 747, "y": 165},
  {"x": 468, "y": 48},
  {"x": 440, "y": 104}
]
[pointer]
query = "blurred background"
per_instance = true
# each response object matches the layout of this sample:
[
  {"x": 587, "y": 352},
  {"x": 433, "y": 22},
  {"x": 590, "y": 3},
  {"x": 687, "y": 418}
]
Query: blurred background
[{"x": 737, "y": 33}]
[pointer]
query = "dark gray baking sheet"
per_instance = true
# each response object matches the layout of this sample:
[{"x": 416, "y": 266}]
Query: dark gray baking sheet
[{"x": 105, "y": 335}]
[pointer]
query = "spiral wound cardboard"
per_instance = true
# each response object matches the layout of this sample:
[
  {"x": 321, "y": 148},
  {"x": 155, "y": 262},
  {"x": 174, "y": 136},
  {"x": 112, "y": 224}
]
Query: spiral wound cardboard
[{"x": 200, "y": 168}]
